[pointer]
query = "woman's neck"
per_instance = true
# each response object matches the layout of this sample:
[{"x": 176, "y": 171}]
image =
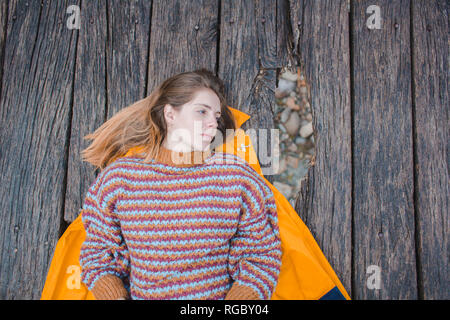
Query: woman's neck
[{"x": 180, "y": 158}]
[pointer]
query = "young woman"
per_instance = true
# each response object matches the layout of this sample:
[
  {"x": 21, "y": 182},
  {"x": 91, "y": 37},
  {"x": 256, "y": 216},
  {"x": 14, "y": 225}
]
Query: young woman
[{"x": 177, "y": 220}]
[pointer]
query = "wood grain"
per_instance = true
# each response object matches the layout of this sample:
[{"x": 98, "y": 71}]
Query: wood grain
[
  {"x": 431, "y": 139},
  {"x": 324, "y": 202},
  {"x": 383, "y": 202},
  {"x": 110, "y": 75},
  {"x": 37, "y": 84}
]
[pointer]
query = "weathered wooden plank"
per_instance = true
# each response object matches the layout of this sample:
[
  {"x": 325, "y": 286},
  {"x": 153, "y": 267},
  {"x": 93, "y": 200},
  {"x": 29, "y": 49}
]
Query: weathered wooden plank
[
  {"x": 383, "y": 207},
  {"x": 430, "y": 94},
  {"x": 183, "y": 38},
  {"x": 266, "y": 33},
  {"x": 286, "y": 57},
  {"x": 110, "y": 74},
  {"x": 35, "y": 117},
  {"x": 3, "y": 19},
  {"x": 263, "y": 98},
  {"x": 324, "y": 202},
  {"x": 295, "y": 22},
  {"x": 89, "y": 101},
  {"x": 244, "y": 65},
  {"x": 127, "y": 52}
]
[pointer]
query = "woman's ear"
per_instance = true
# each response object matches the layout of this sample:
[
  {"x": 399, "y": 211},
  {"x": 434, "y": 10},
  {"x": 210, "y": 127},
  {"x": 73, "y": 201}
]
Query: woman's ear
[{"x": 169, "y": 114}]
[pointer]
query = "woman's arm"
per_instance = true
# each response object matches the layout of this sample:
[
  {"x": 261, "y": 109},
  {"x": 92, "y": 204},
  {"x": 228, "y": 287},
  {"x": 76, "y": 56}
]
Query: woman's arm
[
  {"x": 104, "y": 256},
  {"x": 255, "y": 250}
]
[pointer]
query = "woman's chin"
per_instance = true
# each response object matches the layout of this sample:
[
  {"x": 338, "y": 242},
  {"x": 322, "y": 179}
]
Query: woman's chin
[{"x": 202, "y": 147}]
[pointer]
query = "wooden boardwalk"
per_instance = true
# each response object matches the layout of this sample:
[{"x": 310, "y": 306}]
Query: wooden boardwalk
[{"x": 376, "y": 199}]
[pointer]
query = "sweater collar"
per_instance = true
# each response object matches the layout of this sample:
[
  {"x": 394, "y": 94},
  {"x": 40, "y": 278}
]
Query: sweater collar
[{"x": 181, "y": 159}]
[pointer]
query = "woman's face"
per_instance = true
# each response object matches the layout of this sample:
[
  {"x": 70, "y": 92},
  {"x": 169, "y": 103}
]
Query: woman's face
[{"x": 195, "y": 124}]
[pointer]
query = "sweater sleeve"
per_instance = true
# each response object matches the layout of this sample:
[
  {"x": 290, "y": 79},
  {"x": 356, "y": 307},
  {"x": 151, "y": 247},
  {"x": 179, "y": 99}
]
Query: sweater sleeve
[
  {"x": 104, "y": 257},
  {"x": 255, "y": 250}
]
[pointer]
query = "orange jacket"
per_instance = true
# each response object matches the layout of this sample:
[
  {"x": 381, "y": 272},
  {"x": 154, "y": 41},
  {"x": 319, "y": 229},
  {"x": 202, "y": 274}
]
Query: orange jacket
[{"x": 305, "y": 272}]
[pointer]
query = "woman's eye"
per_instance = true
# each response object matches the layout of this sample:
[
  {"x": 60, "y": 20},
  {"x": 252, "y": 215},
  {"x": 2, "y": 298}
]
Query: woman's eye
[{"x": 204, "y": 112}]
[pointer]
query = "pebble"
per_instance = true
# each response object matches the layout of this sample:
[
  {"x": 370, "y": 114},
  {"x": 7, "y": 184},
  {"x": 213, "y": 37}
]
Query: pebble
[
  {"x": 290, "y": 102},
  {"x": 293, "y": 123},
  {"x": 288, "y": 75},
  {"x": 286, "y": 85},
  {"x": 285, "y": 115},
  {"x": 284, "y": 136},
  {"x": 292, "y": 161},
  {"x": 279, "y": 94},
  {"x": 306, "y": 130},
  {"x": 292, "y": 147},
  {"x": 300, "y": 140}
]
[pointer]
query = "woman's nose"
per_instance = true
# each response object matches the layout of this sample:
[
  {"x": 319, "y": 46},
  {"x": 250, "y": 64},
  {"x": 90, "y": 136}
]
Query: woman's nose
[{"x": 212, "y": 122}]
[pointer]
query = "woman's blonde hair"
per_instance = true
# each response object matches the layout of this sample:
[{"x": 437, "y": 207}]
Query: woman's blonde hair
[{"x": 143, "y": 123}]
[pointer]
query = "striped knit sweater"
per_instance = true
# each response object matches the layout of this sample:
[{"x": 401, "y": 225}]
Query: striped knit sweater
[{"x": 164, "y": 230}]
